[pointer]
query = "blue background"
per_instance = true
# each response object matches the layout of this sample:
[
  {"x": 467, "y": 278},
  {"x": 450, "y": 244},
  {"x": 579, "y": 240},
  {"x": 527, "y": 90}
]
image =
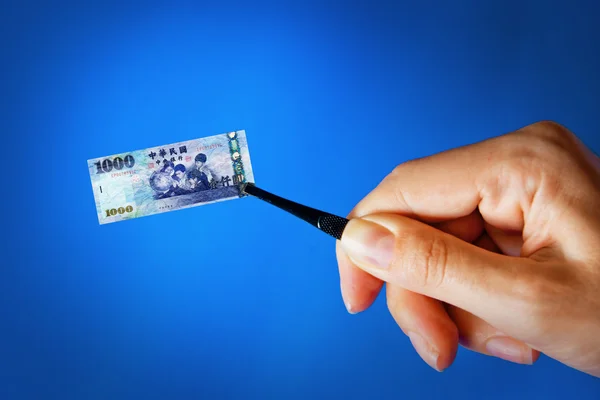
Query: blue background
[{"x": 238, "y": 299}]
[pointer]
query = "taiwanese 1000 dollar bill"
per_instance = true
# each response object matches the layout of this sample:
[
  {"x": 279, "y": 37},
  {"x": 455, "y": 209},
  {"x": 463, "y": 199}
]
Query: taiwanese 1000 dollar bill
[{"x": 170, "y": 177}]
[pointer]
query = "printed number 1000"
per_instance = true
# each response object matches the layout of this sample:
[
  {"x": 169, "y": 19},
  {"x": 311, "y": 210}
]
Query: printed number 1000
[
  {"x": 114, "y": 211},
  {"x": 107, "y": 164}
]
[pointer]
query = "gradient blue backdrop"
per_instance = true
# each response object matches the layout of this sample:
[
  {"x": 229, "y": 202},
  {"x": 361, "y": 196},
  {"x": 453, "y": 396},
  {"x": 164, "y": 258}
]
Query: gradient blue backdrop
[{"x": 238, "y": 299}]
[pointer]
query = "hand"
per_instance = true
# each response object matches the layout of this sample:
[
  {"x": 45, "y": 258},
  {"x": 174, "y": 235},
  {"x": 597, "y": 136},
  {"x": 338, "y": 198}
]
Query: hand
[{"x": 495, "y": 246}]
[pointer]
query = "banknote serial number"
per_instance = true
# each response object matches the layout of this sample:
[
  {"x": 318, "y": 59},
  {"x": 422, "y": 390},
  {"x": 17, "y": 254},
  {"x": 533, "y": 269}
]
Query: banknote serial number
[
  {"x": 121, "y": 210},
  {"x": 117, "y": 163}
]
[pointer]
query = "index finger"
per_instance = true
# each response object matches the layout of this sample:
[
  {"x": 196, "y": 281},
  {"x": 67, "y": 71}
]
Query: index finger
[{"x": 431, "y": 189}]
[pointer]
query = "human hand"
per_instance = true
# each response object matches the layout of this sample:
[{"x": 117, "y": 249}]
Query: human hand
[{"x": 495, "y": 246}]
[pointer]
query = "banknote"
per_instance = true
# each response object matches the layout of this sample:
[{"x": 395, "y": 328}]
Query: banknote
[{"x": 170, "y": 177}]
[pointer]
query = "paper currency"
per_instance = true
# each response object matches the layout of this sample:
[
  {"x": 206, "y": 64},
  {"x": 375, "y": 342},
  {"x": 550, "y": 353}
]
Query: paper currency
[{"x": 170, "y": 177}]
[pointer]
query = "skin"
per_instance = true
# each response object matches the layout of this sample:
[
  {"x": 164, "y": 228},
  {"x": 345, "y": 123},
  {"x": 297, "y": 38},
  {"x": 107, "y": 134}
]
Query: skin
[
  {"x": 494, "y": 246},
  {"x": 180, "y": 174},
  {"x": 199, "y": 164}
]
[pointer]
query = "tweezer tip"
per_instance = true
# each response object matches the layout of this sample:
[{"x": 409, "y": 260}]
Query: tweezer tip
[{"x": 243, "y": 186}]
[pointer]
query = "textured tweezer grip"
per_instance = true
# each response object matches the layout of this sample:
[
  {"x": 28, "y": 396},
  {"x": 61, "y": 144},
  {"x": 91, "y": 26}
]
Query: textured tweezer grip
[{"x": 332, "y": 225}]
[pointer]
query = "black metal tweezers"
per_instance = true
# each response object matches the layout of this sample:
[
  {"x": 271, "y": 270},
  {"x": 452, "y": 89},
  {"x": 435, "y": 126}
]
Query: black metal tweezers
[{"x": 326, "y": 222}]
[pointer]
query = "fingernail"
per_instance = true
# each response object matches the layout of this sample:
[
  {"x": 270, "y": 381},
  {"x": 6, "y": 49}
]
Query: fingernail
[
  {"x": 509, "y": 349},
  {"x": 427, "y": 352},
  {"x": 368, "y": 243},
  {"x": 346, "y": 301},
  {"x": 349, "y": 308}
]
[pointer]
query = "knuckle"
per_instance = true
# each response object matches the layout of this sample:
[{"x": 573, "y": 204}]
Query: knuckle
[
  {"x": 534, "y": 154},
  {"x": 396, "y": 171},
  {"x": 519, "y": 177},
  {"x": 426, "y": 267},
  {"x": 400, "y": 168},
  {"x": 403, "y": 170},
  {"x": 548, "y": 135},
  {"x": 551, "y": 129},
  {"x": 385, "y": 193}
]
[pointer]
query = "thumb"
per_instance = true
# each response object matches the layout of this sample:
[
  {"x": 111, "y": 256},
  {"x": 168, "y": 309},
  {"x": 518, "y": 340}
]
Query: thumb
[{"x": 422, "y": 259}]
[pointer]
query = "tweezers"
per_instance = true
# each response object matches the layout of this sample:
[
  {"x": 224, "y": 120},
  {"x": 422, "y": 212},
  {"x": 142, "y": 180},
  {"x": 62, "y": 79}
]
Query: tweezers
[{"x": 326, "y": 222}]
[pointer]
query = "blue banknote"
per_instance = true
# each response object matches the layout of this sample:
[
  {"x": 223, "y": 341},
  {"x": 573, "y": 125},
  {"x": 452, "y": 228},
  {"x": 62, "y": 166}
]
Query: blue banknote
[{"x": 170, "y": 177}]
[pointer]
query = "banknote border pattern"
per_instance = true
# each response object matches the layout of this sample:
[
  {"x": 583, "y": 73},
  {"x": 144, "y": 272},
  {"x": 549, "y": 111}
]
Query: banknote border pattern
[{"x": 236, "y": 162}]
